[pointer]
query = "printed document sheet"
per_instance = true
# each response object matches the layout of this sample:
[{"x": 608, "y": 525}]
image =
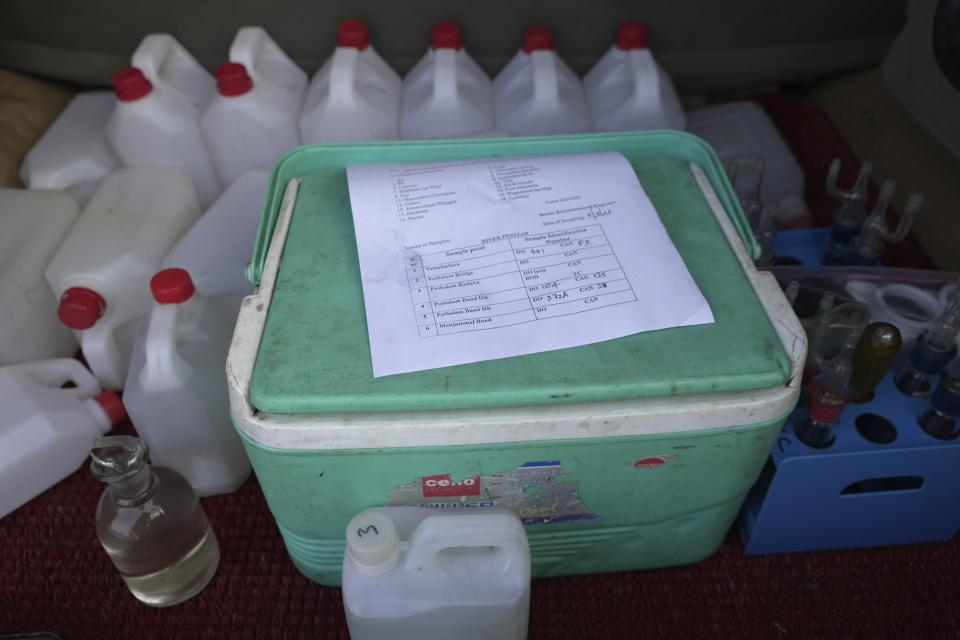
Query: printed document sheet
[{"x": 482, "y": 259}]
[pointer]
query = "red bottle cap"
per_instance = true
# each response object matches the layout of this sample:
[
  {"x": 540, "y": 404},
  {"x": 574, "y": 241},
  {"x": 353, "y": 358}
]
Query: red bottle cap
[
  {"x": 537, "y": 39},
  {"x": 130, "y": 84},
  {"x": 233, "y": 79},
  {"x": 111, "y": 404},
  {"x": 80, "y": 308},
  {"x": 446, "y": 35},
  {"x": 353, "y": 33},
  {"x": 171, "y": 286},
  {"x": 631, "y": 34}
]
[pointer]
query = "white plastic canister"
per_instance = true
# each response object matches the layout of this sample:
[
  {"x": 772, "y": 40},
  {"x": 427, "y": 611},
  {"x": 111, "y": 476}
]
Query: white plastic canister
[
  {"x": 155, "y": 127},
  {"x": 627, "y": 90},
  {"x": 446, "y": 94},
  {"x": 34, "y": 223},
  {"x": 411, "y": 573},
  {"x": 741, "y": 132},
  {"x": 101, "y": 273},
  {"x": 267, "y": 63},
  {"x": 249, "y": 124},
  {"x": 355, "y": 95},
  {"x": 170, "y": 67},
  {"x": 216, "y": 250},
  {"x": 176, "y": 391},
  {"x": 47, "y": 430},
  {"x": 73, "y": 154},
  {"x": 536, "y": 93}
]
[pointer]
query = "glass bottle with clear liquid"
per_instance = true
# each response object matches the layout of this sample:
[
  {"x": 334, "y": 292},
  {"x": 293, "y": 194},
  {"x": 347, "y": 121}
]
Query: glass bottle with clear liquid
[{"x": 151, "y": 524}]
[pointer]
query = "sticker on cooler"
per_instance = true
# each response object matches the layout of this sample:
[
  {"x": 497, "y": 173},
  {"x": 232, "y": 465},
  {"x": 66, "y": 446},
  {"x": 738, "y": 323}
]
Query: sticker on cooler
[
  {"x": 442, "y": 485},
  {"x": 651, "y": 462},
  {"x": 539, "y": 492}
]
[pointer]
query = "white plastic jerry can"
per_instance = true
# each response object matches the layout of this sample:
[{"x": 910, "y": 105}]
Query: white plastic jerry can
[
  {"x": 32, "y": 226},
  {"x": 46, "y": 431},
  {"x": 267, "y": 63},
  {"x": 536, "y": 93},
  {"x": 411, "y": 573},
  {"x": 171, "y": 68},
  {"x": 176, "y": 390},
  {"x": 741, "y": 132},
  {"x": 627, "y": 90},
  {"x": 102, "y": 271},
  {"x": 355, "y": 95},
  {"x": 73, "y": 154},
  {"x": 216, "y": 250},
  {"x": 446, "y": 94},
  {"x": 155, "y": 127},
  {"x": 249, "y": 124}
]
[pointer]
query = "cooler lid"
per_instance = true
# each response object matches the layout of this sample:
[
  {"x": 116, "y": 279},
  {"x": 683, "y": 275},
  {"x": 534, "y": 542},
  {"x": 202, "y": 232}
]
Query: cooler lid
[{"x": 314, "y": 356}]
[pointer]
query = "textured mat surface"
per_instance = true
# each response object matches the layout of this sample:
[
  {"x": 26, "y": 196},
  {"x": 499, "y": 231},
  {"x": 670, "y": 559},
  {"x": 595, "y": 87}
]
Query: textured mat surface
[{"x": 55, "y": 576}]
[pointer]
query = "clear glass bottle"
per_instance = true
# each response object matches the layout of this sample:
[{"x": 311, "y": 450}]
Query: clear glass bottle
[
  {"x": 151, "y": 524},
  {"x": 940, "y": 420},
  {"x": 933, "y": 350}
]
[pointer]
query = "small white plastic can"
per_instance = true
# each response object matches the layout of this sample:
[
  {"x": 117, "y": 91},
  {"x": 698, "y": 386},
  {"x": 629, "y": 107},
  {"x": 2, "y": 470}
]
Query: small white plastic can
[
  {"x": 627, "y": 90},
  {"x": 536, "y": 93},
  {"x": 411, "y": 573},
  {"x": 35, "y": 222},
  {"x": 249, "y": 124},
  {"x": 355, "y": 95},
  {"x": 446, "y": 94},
  {"x": 155, "y": 126},
  {"x": 176, "y": 391},
  {"x": 101, "y": 273},
  {"x": 73, "y": 154},
  {"x": 47, "y": 429}
]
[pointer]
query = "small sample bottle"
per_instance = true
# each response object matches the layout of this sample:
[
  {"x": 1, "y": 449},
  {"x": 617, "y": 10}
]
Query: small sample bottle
[
  {"x": 868, "y": 246},
  {"x": 760, "y": 217},
  {"x": 816, "y": 332},
  {"x": 848, "y": 216},
  {"x": 827, "y": 395},
  {"x": 873, "y": 357},
  {"x": 151, "y": 524},
  {"x": 934, "y": 349},
  {"x": 940, "y": 420}
]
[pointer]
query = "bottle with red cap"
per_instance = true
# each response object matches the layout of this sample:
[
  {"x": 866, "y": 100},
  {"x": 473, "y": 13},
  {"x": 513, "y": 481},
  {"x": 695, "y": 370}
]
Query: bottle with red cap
[
  {"x": 47, "y": 430},
  {"x": 34, "y": 224},
  {"x": 216, "y": 250},
  {"x": 267, "y": 63},
  {"x": 101, "y": 271},
  {"x": 536, "y": 93},
  {"x": 446, "y": 94},
  {"x": 176, "y": 389},
  {"x": 156, "y": 127},
  {"x": 249, "y": 124},
  {"x": 168, "y": 66},
  {"x": 627, "y": 90},
  {"x": 355, "y": 95}
]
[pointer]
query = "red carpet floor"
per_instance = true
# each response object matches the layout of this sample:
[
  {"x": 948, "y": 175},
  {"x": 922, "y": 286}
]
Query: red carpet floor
[{"x": 54, "y": 575}]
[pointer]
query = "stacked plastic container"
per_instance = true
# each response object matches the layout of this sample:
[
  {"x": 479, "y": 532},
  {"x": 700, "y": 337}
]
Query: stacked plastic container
[
  {"x": 446, "y": 94},
  {"x": 536, "y": 93},
  {"x": 252, "y": 120},
  {"x": 355, "y": 95}
]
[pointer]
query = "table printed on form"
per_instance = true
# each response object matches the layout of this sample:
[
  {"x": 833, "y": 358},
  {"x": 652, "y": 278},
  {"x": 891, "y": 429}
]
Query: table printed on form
[{"x": 476, "y": 260}]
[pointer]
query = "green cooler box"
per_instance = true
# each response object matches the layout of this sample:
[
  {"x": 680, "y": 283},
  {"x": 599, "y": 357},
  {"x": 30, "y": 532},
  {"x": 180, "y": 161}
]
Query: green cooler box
[{"x": 626, "y": 454}]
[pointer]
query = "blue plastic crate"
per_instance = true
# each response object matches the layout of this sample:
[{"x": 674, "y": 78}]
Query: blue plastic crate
[{"x": 857, "y": 493}]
